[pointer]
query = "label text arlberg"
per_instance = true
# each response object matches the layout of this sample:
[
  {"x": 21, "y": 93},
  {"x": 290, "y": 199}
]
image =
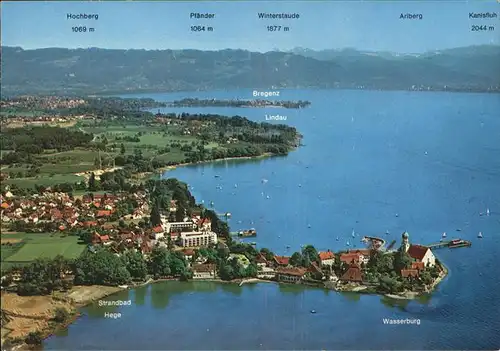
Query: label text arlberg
[
  {"x": 411, "y": 16},
  {"x": 82, "y": 16}
]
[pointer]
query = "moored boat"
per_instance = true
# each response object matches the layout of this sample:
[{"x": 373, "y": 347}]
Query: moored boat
[{"x": 247, "y": 233}]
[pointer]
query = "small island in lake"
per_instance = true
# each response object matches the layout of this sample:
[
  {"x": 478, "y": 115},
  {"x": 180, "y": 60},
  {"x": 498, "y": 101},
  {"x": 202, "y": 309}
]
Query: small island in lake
[{"x": 194, "y": 102}]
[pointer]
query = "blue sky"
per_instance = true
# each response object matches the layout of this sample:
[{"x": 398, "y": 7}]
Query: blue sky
[{"x": 364, "y": 25}]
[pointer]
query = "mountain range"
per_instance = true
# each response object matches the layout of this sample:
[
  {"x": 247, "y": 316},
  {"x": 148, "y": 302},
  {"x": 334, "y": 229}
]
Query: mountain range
[{"x": 104, "y": 71}]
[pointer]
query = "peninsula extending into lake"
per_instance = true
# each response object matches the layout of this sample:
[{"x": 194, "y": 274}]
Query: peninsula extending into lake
[
  {"x": 153, "y": 231},
  {"x": 195, "y": 102}
]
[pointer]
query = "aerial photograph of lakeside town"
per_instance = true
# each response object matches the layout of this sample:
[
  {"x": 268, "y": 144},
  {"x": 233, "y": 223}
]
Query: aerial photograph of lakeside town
[{"x": 240, "y": 176}]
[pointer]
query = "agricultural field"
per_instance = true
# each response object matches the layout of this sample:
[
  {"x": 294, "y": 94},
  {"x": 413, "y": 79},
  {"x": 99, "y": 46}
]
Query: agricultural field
[
  {"x": 22, "y": 112},
  {"x": 22, "y": 248},
  {"x": 125, "y": 129},
  {"x": 175, "y": 155},
  {"x": 56, "y": 167},
  {"x": 45, "y": 180}
]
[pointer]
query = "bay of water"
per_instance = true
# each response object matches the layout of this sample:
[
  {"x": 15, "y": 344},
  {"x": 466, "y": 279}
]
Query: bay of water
[{"x": 372, "y": 162}]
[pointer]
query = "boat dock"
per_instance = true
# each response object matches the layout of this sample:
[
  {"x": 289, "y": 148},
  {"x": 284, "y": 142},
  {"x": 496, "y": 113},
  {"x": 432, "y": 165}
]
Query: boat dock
[
  {"x": 245, "y": 233},
  {"x": 374, "y": 242},
  {"x": 452, "y": 244}
]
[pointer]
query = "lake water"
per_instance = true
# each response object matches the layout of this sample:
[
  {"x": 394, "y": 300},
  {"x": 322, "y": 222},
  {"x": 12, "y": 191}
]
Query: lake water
[{"x": 372, "y": 162}]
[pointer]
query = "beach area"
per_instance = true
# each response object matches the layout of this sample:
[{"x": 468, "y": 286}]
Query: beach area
[{"x": 22, "y": 315}]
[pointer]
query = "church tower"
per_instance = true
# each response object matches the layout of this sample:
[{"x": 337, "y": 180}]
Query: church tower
[{"x": 405, "y": 244}]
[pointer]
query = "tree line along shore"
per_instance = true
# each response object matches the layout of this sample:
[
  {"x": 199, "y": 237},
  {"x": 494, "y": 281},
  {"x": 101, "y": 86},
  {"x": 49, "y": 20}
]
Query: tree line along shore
[
  {"x": 51, "y": 140},
  {"x": 195, "y": 102},
  {"x": 119, "y": 251}
]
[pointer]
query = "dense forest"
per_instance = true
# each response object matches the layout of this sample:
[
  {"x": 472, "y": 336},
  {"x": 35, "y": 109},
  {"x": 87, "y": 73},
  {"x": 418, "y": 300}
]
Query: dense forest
[
  {"x": 32, "y": 139},
  {"x": 27, "y": 141}
]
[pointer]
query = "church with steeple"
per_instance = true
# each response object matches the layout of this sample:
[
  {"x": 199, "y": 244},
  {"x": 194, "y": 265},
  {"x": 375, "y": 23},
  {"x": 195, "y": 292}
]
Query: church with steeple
[{"x": 418, "y": 253}]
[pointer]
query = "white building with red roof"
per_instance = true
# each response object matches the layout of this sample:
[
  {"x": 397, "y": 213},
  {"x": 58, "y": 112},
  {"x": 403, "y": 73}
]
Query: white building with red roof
[
  {"x": 418, "y": 253},
  {"x": 327, "y": 258},
  {"x": 158, "y": 232},
  {"x": 355, "y": 257}
]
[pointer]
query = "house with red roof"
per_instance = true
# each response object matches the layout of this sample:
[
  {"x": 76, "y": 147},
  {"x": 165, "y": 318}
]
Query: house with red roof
[
  {"x": 204, "y": 271},
  {"x": 422, "y": 254},
  {"x": 352, "y": 275},
  {"x": 418, "y": 265},
  {"x": 327, "y": 258},
  {"x": 105, "y": 239},
  {"x": 281, "y": 261},
  {"x": 351, "y": 258},
  {"x": 409, "y": 273},
  {"x": 261, "y": 260},
  {"x": 418, "y": 253},
  {"x": 290, "y": 274},
  {"x": 188, "y": 254},
  {"x": 88, "y": 224},
  {"x": 103, "y": 213},
  {"x": 55, "y": 215},
  {"x": 355, "y": 257},
  {"x": 204, "y": 224},
  {"x": 100, "y": 239},
  {"x": 158, "y": 232}
]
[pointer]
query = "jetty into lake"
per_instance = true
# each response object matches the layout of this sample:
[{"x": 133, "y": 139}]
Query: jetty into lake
[
  {"x": 452, "y": 244},
  {"x": 374, "y": 242},
  {"x": 245, "y": 233}
]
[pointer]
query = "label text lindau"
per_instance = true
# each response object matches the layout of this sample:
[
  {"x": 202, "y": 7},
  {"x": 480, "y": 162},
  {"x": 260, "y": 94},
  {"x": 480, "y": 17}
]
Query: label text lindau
[{"x": 279, "y": 15}]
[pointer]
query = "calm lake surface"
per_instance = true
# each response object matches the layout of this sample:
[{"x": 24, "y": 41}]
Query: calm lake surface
[{"x": 373, "y": 161}]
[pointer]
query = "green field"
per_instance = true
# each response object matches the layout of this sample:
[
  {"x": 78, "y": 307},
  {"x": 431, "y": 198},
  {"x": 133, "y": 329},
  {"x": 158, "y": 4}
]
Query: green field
[
  {"x": 66, "y": 169},
  {"x": 9, "y": 250},
  {"x": 44, "y": 180},
  {"x": 39, "y": 245},
  {"x": 76, "y": 155},
  {"x": 174, "y": 156},
  {"x": 9, "y": 111},
  {"x": 60, "y": 167}
]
